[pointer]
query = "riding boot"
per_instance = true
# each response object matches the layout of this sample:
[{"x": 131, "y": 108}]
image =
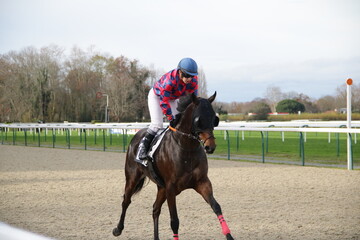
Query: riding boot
[{"x": 141, "y": 156}]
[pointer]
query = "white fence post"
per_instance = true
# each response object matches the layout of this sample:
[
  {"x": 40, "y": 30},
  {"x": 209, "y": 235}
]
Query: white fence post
[{"x": 349, "y": 150}]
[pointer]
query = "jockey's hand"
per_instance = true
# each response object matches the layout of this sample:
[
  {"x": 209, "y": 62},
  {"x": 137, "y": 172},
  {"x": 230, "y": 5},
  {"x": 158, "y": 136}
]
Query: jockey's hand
[
  {"x": 175, "y": 120},
  {"x": 173, "y": 123}
]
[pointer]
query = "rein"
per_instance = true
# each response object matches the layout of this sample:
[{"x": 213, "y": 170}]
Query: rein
[
  {"x": 184, "y": 134},
  {"x": 191, "y": 136}
]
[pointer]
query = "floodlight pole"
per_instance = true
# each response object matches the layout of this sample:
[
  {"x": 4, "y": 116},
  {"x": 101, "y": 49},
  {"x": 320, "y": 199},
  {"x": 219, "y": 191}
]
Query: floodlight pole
[{"x": 349, "y": 82}]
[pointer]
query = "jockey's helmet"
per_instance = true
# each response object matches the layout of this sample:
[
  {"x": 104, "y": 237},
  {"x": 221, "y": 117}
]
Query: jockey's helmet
[{"x": 188, "y": 66}]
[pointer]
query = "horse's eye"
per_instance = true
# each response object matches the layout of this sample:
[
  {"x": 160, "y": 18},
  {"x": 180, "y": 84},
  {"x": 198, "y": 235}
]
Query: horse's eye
[{"x": 216, "y": 121}]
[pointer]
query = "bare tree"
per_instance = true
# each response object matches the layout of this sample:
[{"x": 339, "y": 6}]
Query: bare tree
[
  {"x": 154, "y": 75},
  {"x": 128, "y": 89},
  {"x": 81, "y": 84},
  {"x": 202, "y": 85},
  {"x": 273, "y": 95},
  {"x": 341, "y": 96},
  {"x": 235, "y": 107},
  {"x": 326, "y": 103},
  {"x": 29, "y": 78},
  {"x": 356, "y": 97},
  {"x": 308, "y": 103},
  {"x": 291, "y": 95}
]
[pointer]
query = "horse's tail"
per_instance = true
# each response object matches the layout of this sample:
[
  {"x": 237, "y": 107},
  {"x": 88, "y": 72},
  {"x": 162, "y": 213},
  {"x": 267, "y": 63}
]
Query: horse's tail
[
  {"x": 139, "y": 186},
  {"x": 155, "y": 175}
]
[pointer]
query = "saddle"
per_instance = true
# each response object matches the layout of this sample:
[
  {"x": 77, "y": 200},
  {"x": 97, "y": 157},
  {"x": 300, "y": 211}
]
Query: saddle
[
  {"x": 151, "y": 159},
  {"x": 156, "y": 143}
]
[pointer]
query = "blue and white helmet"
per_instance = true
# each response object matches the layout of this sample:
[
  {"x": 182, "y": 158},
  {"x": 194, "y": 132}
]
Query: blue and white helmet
[{"x": 188, "y": 66}]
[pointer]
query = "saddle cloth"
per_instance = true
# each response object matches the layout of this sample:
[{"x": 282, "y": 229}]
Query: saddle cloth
[{"x": 156, "y": 143}]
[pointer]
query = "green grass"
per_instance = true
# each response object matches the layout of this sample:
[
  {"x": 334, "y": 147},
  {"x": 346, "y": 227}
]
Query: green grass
[
  {"x": 245, "y": 145},
  {"x": 327, "y": 116},
  {"x": 317, "y": 147},
  {"x": 93, "y": 140}
]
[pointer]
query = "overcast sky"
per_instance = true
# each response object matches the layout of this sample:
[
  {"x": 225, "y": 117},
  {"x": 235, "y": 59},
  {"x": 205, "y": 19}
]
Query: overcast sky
[{"x": 243, "y": 46}]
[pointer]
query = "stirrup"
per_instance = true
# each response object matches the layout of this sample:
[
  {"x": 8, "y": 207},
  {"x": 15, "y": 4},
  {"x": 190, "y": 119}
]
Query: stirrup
[
  {"x": 142, "y": 162},
  {"x": 143, "y": 149}
]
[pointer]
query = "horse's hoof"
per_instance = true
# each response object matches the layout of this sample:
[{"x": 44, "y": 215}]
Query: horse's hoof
[
  {"x": 229, "y": 237},
  {"x": 116, "y": 232}
]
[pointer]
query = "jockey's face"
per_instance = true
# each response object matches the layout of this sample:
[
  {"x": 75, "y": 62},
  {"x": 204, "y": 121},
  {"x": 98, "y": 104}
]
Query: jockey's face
[{"x": 185, "y": 78}]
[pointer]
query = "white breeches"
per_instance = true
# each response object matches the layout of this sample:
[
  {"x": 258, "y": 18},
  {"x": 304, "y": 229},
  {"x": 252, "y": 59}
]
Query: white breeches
[{"x": 155, "y": 110}]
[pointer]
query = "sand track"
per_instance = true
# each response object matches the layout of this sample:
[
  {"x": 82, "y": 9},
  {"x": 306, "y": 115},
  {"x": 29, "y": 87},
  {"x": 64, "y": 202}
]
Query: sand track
[{"x": 74, "y": 194}]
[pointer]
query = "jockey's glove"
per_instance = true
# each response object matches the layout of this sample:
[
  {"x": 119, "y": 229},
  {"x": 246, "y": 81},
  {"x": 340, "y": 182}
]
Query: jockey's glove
[{"x": 175, "y": 120}]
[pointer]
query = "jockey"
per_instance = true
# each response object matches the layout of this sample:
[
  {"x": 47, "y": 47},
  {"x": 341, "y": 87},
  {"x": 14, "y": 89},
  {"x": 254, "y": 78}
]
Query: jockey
[{"x": 163, "y": 99}]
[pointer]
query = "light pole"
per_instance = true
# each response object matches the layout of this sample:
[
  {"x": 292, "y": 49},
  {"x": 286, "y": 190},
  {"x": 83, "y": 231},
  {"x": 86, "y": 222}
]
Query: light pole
[
  {"x": 100, "y": 95},
  {"x": 106, "y": 108}
]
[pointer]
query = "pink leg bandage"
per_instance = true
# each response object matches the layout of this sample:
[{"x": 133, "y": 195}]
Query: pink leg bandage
[
  {"x": 224, "y": 226},
  {"x": 176, "y": 236}
]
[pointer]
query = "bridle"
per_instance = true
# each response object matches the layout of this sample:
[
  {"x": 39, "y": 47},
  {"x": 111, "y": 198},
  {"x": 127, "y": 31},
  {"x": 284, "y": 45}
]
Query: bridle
[
  {"x": 210, "y": 137},
  {"x": 195, "y": 126},
  {"x": 192, "y": 136}
]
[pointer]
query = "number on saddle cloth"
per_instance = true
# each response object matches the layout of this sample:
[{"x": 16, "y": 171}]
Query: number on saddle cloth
[{"x": 156, "y": 142}]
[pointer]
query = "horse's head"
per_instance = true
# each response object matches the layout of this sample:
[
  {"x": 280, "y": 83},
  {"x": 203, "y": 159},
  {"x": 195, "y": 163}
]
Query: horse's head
[{"x": 202, "y": 120}]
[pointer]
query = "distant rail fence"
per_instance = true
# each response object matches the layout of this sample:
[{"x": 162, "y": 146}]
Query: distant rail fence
[{"x": 116, "y": 136}]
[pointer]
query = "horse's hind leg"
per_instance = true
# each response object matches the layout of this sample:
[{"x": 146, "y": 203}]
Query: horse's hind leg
[
  {"x": 133, "y": 184},
  {"x": 205, "y": 190}
]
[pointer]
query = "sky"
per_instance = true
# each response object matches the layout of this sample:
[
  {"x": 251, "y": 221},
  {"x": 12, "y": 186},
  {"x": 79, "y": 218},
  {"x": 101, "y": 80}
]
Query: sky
[{"x": 243, "y": 46}]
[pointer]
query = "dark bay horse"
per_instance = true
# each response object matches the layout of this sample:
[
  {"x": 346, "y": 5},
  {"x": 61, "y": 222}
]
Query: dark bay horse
[{"x": 180, "y": 162}]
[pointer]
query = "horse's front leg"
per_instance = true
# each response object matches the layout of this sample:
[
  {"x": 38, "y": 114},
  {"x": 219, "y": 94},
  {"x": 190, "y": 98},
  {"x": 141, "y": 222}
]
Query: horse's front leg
[
  {"x": 174, "y": 219},
  {"x": 160, "y": 199},
  {"x": 205, "y": 190}
]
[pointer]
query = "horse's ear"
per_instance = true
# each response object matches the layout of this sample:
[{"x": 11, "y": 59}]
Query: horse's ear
[
  {"x": 212, "y": 98},
  {"x": 195, "y": 99}
]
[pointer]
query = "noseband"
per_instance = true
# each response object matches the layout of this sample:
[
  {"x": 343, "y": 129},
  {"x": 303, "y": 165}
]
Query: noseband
[{"x": 211, "y": 136}]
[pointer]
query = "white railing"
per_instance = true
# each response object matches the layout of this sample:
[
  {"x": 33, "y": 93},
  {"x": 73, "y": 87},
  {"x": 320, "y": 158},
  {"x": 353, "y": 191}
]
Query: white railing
[
  {"x": 8, "y": 232},
  {"x": 293, "y": 126},
  {"x": 240, "y": 124}
]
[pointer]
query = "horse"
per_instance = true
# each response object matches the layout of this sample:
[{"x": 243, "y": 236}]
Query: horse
[{"x": 180, "y": 162}]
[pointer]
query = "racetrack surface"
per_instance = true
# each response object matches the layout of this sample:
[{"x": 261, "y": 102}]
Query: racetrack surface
[{"x": 76, "y": 194}]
